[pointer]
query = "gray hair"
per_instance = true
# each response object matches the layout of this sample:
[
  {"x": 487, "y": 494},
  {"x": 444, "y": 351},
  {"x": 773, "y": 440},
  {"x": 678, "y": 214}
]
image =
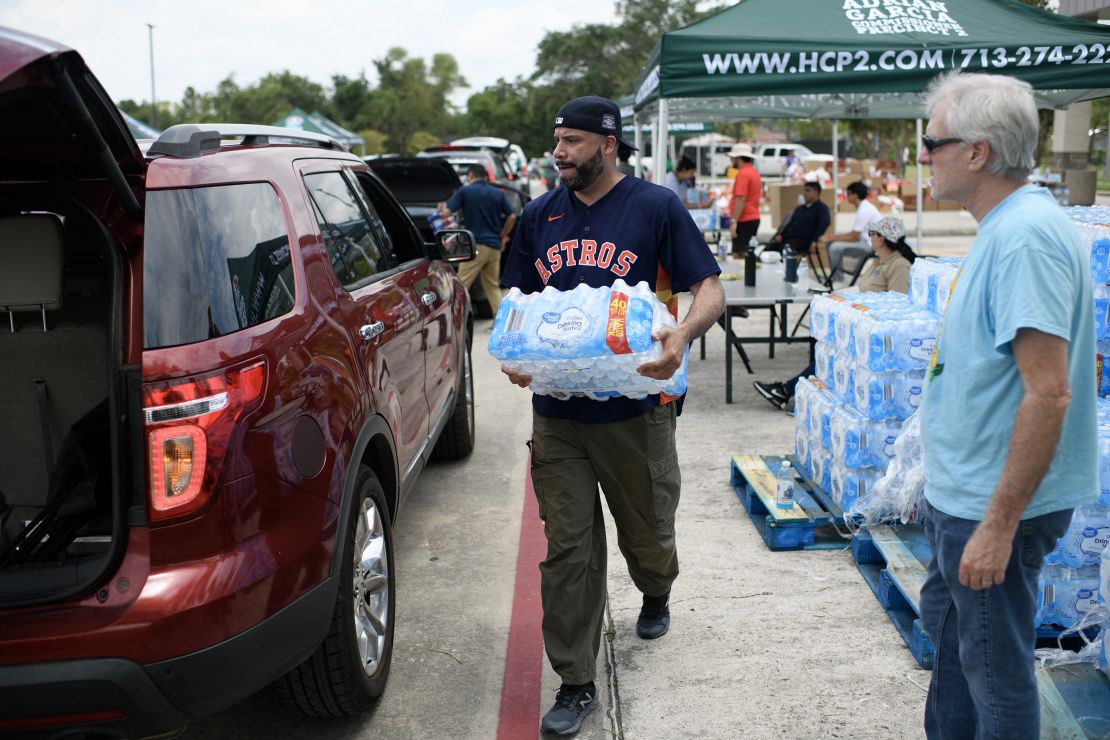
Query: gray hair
[{"x": 992, "y": 108}]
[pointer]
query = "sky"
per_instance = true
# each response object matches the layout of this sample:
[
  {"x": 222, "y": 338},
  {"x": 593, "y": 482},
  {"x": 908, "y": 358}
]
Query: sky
[{"x": 200, "y": 42}]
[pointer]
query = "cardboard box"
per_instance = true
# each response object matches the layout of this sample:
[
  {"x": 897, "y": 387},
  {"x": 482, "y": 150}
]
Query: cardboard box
[{"x": 782, "y": 199}]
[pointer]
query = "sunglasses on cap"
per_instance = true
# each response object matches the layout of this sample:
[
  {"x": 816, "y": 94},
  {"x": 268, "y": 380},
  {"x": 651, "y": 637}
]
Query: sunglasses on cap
[{"x": 931, "y": 144}]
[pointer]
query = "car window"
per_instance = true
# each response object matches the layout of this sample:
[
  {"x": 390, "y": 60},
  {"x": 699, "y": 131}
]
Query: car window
[
  {"x": 380, "y": 231},
  {"x": 216, "y": 260},
  {"x": 354, "y": 249},
  {"x": 403, "y": 235}
]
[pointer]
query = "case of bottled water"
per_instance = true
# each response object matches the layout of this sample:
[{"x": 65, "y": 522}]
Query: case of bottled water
[
  {"x": 1066, "y": 594},
  {"x": 1086, "y": 538},
  {"x": 931, "y": 282},
  {"x": 586, "y": 341},
  {"x": 903, "y": 341},
  {"x": 846, "y": 485},
  {"x": 857, "y": 484},
  {"x": 880, "y": 396}
]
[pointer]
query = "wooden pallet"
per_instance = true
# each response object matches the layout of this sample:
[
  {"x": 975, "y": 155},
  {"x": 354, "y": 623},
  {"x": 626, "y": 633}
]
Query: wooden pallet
[
  {"x": 811, "y": 523},
  {"x": 894, "y": 562},
  {"x": 1075, "y": 702}
]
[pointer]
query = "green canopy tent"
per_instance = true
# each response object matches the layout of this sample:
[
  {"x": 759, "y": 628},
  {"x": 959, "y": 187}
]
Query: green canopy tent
[
  {"x": 320, "y": 124},
  {"x": 838, "y": 59}
]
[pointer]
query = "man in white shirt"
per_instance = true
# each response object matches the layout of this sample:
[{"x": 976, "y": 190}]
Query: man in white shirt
[{"x": 854, "y": 242}]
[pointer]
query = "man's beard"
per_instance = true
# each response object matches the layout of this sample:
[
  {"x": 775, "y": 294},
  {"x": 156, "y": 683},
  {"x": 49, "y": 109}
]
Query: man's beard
[{"x": 585, "y": 174}]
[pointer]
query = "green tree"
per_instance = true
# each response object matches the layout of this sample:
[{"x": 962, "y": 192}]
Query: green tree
[
  {"x": 421, "y": 140},
  {"x": 374, "y": 141},
  {"x": 410, "y": 97},
  {"x": 351, "y": 100}
]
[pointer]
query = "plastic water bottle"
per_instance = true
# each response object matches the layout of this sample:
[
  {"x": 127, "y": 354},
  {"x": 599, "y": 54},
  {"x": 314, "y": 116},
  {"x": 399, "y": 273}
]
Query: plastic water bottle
[
  {"x": 803, "y": 273},
  {"x": 721, "y": 249},
  {"x": 784, "y": 491}
]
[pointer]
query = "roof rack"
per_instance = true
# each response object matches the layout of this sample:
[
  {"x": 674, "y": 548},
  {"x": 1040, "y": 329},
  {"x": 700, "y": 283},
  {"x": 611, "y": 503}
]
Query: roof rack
[{"x": 187, "y": 140}]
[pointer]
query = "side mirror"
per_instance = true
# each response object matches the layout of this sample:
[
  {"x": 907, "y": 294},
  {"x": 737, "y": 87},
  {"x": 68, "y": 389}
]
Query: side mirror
[{"x": 456, "y": 245}]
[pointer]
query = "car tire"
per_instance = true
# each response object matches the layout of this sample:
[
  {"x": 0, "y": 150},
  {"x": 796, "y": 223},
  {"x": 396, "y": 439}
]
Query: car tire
[
  {"x": 348, "y": 672},
  {"x": 456, "y": 441}
]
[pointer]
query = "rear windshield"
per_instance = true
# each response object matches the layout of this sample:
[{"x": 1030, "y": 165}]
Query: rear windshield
[{"x": 216, "y": 260}]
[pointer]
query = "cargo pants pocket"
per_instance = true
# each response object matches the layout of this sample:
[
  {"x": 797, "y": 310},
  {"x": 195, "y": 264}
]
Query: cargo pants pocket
[
  {"x": 536, "y": 473},
  {"x": 666, "y": 483}
]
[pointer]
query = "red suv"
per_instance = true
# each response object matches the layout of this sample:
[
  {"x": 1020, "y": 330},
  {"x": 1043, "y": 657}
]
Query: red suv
[{"x": 225, "y": 362}]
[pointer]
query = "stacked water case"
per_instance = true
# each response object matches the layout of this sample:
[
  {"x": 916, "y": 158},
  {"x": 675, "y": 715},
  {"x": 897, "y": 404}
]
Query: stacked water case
[
  {"x": 586, "y": 341},
  {"x": 871, "y": 354},
  {"x": 1070, "y": 579}
]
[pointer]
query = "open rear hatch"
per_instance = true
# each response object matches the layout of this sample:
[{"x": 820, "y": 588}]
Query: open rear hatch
[
  {"x": 419, "y": 183},
  {"x": 70, "y": 414}
]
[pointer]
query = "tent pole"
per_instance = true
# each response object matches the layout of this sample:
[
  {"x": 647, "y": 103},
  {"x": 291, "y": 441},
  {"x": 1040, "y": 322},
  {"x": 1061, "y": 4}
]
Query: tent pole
[
  {"x": 661, "y": 159},
  {"x": 654, "y": 146},
  {"x": 638, "y": 141},
  {"x": 836, "y": 170},
  {"x": 920, "y": 194}
]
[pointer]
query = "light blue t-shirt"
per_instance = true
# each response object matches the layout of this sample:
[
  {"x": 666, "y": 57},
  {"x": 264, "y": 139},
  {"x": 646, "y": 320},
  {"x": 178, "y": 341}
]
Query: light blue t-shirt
[{"x": 1026, "y": 269}]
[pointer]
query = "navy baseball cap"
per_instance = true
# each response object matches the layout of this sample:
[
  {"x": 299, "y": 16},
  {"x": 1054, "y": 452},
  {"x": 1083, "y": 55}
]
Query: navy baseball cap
[{"x": 595, "y": 114}]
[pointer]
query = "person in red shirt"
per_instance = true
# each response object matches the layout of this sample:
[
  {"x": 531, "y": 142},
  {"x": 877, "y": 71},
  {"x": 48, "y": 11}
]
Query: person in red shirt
[{"x": 747, "y": 191}]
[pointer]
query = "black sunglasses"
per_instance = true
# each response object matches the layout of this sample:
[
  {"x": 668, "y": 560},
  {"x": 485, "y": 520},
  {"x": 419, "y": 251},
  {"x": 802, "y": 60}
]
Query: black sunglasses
[{"x": 931, "y": 144}]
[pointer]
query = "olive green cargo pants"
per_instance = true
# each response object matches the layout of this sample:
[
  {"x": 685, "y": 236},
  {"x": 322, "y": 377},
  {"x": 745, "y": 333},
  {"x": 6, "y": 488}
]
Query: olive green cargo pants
[{"x": 636, "y": 464}]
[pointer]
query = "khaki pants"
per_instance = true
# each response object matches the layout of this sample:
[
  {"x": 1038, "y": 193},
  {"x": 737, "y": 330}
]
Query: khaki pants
[
  {"x": 487, "y": 261},
  {"x": 636, "y": 464}
]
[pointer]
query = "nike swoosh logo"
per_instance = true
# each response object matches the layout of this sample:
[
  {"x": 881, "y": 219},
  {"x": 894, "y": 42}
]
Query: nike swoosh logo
[{"x": 555, "y": 218}]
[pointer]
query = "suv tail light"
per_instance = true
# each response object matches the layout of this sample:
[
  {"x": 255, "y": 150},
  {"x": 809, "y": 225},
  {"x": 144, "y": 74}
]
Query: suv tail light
[{"x": 189, "y": 424}]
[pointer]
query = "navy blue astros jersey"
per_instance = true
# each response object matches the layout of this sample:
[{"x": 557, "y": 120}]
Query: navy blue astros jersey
[{"x": 636, "y": 232}]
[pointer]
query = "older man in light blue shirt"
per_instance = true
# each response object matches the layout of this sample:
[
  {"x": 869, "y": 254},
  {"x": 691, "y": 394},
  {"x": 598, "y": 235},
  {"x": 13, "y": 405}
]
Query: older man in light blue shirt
[{"x": 1009, "y": 416}]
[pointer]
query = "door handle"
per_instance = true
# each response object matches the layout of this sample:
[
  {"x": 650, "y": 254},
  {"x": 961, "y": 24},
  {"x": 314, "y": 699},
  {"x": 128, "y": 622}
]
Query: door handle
[
  {"x": 429, "y": 298},
  {"x": 369, "y": 331}
]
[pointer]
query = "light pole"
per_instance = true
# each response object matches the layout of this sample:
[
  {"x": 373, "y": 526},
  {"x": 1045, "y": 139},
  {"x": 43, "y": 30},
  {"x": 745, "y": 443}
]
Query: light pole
[{"x": 153, "y": 100}]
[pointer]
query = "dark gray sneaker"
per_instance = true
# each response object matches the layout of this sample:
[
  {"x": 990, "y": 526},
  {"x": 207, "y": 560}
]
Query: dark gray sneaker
[
  {"x": 655, "y": 617},
  {"x": 572, "y": 705}
]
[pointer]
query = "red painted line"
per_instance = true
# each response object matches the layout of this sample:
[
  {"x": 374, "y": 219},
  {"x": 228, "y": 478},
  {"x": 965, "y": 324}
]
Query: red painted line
[{"x": 520, "y": 689}]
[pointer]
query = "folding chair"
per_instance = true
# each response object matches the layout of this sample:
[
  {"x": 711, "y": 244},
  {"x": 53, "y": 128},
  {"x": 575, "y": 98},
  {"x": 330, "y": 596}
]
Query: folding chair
[{"x": 853, "y": 265}]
